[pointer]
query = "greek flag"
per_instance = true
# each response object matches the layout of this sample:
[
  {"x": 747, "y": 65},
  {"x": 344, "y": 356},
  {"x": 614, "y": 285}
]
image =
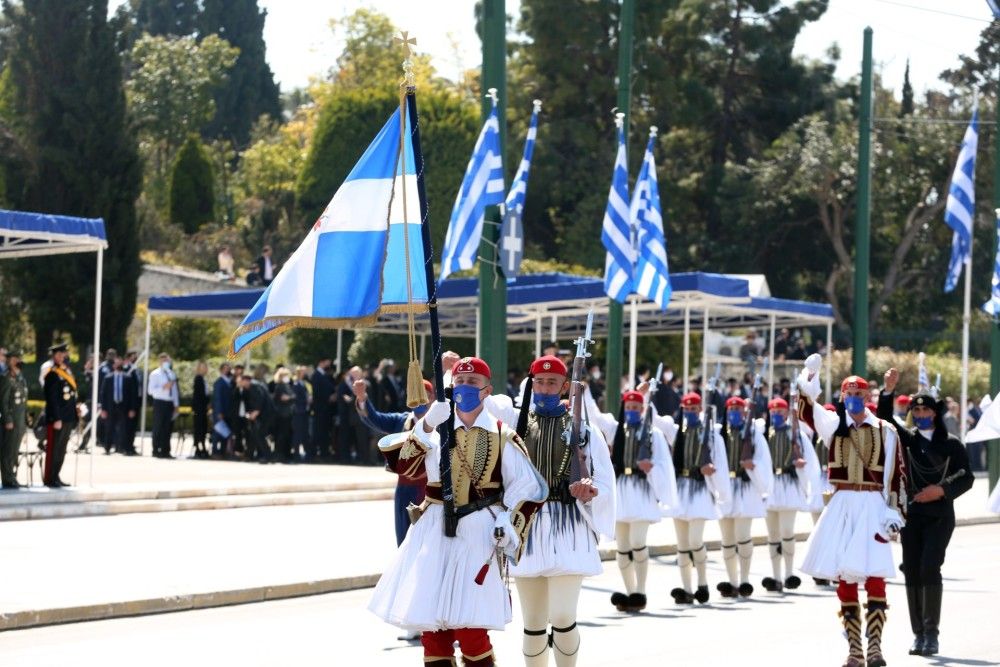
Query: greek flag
[
  {"x": 652, "y": 277},
  {"x": 923, "y": 379},
  {"x": 481, "y": 187},
  {"x": 352, "y": 265},
  {"x": 993, "y": 305},
  {"x": 994, "y": 7},
  {"x": 961, "y": 204},
  {"x": 512, "y": 230},
  {"x": 616, "y": 233}
]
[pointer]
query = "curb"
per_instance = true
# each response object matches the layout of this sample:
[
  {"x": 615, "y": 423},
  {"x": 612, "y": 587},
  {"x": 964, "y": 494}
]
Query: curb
[{"x": 22, "y": 620}]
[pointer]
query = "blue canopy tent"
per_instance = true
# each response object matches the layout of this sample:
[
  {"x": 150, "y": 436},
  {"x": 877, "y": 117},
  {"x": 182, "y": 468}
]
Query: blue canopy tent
[{"x": 24, "y": 234}]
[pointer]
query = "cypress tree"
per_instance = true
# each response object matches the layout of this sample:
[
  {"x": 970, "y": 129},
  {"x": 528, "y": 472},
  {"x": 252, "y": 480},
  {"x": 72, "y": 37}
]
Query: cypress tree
[
  {"x": 70, "y": 118},
  {"x": 192, "y": 188},
  {"x": 249, "y": 91},
  {"x": 906, "y": 106},
  {"x": 165, "y": 17}
]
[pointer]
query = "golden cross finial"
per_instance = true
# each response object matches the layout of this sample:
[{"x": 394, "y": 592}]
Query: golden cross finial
[{"x": 405, "y": 41}]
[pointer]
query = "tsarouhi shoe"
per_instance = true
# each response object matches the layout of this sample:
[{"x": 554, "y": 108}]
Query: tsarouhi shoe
[
  {"x": 792, "y": 582},
  {"x": 771, "y": 584},
  {"x": 701, "y": 595},
  {"x": 620, "y": 601},
  {"x": 726, "y": 590},
  {"x": 746, "y": 589},
  {"x": 636, "y": 602},
  {"x": 681, "y": 596}
]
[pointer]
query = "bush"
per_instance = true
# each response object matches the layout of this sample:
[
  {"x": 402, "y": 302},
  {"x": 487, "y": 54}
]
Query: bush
[
  {"x": 881, "y": 359},
  {"x": 187, "y": 339},
  {"x": 192, "y": 187}
]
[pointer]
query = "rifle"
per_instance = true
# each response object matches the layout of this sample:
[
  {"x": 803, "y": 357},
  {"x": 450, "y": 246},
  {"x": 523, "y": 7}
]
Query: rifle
[
  {"x": 793, "y": 421},
  {"x": 645, "y": 434},
  {"x": 574, "y": 437},
  {"x": 746, "y": 436},
  {"x": 710, "y": 416}
]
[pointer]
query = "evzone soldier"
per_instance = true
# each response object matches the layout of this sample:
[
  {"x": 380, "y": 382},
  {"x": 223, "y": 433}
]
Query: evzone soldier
[
  {"x": 750, "y": 476},
  {"x": 645, "y": 480},
  {"x": 451, "y": 587},
  {"x": 795, "y": 463},
  {"x": 820, "y": 488},
  {"x": 702, "y": 488},
  {"x": 938, "y": 471},
  {"x": 851, "y": 541},
  {"x": 60, "y": 413},
  {"x": 562, "y": 547}
]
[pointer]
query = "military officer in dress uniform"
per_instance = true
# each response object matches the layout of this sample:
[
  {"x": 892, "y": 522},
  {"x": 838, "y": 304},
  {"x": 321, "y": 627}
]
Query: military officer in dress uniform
[
  {"x": 939, "y": 472},
  {"x": 60, "y": 413},
  {"x": 14, "y": 415}
]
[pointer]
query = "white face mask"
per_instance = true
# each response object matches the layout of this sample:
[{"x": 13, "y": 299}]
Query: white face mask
[
  {"x": 165, "y": 365},
  {"x": 668, "y": 376},
  {"x": 596, "y": 374}
]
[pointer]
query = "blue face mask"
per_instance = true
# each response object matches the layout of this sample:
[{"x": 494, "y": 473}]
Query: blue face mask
[
  {"x": 924, "y": 423},
  {"x": 466, "y": 397},
  {"x": 778, "y": 421},
  {"x": 633, "y": 417},
  {"x": 735, "y": 419},
  {"x": 548, "y": 405},
  {"x": 420, "y": 410},
  {"x": 691, "y": 418},
  {"x": 854, "y": 404}
]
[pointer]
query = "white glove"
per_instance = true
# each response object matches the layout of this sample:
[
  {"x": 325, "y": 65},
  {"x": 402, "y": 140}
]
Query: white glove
[
  {"x": 810, "y": 388},
  {"x": 510, "y": 541},
  {"x": 437, "y": 414},
  {"x": 892, "y": 523}
]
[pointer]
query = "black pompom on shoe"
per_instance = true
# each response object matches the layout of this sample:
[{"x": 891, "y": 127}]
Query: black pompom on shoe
[
  {"x": 681, "y": 596},
  {"x": 746, "y": 590},
  {"x": 726, "y": 590},
  {"x": 620, "y": 601},
  {"x": 792, "y": 582},
  {"x": 636, "y": 602},
  {"x": 771, "y": 584},
  {"x": 701, "y": 595}
]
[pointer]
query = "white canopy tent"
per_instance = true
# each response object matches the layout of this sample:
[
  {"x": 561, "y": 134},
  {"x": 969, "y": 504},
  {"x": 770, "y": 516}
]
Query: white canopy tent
[{"x": 24, "y": 234}]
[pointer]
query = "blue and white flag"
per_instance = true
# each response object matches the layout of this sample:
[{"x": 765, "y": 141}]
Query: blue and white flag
[
  {"x": 994, "y": 7},
  {"x": 923, "y": 378},
  {"x": 961, "y": 205},
  {"x": 481, "y": 187},
  {"x": 652, "y": 277},
  {"x": 352, "y": 265},
  {"x": 616, "y": 233},
  {"x": 512, "y": 230},
  {"x": 993, "y": 305}
]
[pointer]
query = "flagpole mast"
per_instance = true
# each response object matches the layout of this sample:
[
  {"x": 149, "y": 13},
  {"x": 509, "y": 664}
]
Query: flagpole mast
[
  {"x": 993, "y": 447},
  {"x": 966, "y": 317},
  {"x": 862, "y": 223},
  {"x": 615, "y": 309}
]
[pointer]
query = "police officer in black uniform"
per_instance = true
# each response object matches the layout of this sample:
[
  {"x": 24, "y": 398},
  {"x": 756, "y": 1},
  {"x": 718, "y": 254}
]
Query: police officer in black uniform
[
  {"x": 938, "y": 472},
  {"x": 60, "y": 413}
]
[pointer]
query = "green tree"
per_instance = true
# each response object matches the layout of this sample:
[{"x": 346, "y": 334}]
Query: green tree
[
  {"x": 187, "y": 339},
  {"x": 249, "y": 91},
  {"x": 170, "y": 92},
  {"x": 177, "y": 18},
  {"x": 192, "y": 189},
  {"x": 70, "y": 119}
]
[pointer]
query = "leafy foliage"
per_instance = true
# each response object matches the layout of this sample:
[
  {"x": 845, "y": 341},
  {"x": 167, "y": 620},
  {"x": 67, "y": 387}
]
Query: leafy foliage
[
  {"x": 186, "y": 338},
  {"x": 192, "y": 194}
]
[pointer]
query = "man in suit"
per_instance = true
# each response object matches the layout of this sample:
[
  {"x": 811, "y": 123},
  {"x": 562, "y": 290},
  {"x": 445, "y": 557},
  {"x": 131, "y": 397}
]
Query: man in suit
[
  {"x": 118, "y": 398},
  {"x": 257, "y": 411},
  {"x": 222, "y": 409},
  {"x": 266, "y": 268},
  {"x": 166, "y": 404},
  {"x": 324, "y": 391},
  {"x": 60, "y": 413}
]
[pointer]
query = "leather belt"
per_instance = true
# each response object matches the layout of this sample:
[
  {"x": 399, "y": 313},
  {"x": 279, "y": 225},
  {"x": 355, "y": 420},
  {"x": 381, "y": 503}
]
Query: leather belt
[{"x": 870, "y": 486}]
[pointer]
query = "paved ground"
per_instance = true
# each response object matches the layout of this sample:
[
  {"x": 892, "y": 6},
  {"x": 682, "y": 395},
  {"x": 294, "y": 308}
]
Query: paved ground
[{"x": 796, "y": 629}]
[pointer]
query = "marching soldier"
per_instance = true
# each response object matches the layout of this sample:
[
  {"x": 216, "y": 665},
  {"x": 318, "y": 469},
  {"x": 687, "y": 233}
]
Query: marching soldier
[
  {"x": 938, "y": 472},
  {"x": 562, "y": 547},
  {"x": 14, "y": 412},
  {"x": 60, "y": 413},
  {"x": 751, "y": 479},
  {"x": 453, "y": 588},
  {"x": 645, "y": 480},
  {"x": 702, "y": 486},
  {"x": 820, "y": 488},
  {"x": 851, "y": 540}
]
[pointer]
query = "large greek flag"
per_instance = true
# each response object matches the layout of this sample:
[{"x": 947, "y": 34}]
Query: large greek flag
[
  {"x": 993, "y": 305},
  {"x": 352, "y": 265},
  {"x": 652, "y": 277},
  {"x": 961, "y": 204},
  {"x": 512, "y": 230},
  {"x": 481, "y": 187},
  {"x": 616, "y": 234}
]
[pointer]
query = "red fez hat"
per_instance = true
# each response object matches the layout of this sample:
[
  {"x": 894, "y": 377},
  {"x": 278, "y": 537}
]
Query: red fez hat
[
  {"x": 467, "y": 365},
  {"x": 777, "y": 404},
  {"x": 632, "y": 396},
  {"x": 853, "y": 382},
  {"x": 548, "y": 364},
  {"x": 871, "y": 406},
  {"x": 690, "y": 400},
  {"x": 903, "y": 400},
  {"x": 735, "y": 402}
]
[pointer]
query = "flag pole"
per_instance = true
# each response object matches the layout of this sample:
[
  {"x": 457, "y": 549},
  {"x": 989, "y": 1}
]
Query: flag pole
[
  {"x": 966, "y": 317},
  {"x": 633, "y": 332}
]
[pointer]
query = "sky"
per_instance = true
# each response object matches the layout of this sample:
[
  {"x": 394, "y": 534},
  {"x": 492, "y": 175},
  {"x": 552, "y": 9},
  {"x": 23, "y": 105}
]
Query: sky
[{"x": 930, "y": 33}]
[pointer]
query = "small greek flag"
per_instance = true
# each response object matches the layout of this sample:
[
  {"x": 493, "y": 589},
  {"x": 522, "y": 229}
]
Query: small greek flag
[
  {"x": 652, "y": 277},
  {"x": 923, "y": 378},
  {"x": 994, "y": 7},
  {"x": 961, "y": 204},
  {"x": 993, "y": 305},
  {"x": 512, "y": 230},
  {"x": 481, "y": 187},
  {"x": 616, "y": 233}
]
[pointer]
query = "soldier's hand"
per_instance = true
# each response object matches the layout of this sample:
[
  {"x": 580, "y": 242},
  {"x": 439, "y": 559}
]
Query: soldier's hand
[
  {"x": 747, "y": 464},
  {"x": 708, "y": 470},
  {"x": 891, "y": 380},
  {"x": 57, "y": 424},
  {"x": 929, "y": 494},
  {"x": 643, "y": 388},
  {"x": 448, "y": 360},
  {"x": 800, "y": 463},
  {"x": 645, "y": 465},
  {"x": 584, "y": 490},
  {"x": 360, "y": 390}
]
